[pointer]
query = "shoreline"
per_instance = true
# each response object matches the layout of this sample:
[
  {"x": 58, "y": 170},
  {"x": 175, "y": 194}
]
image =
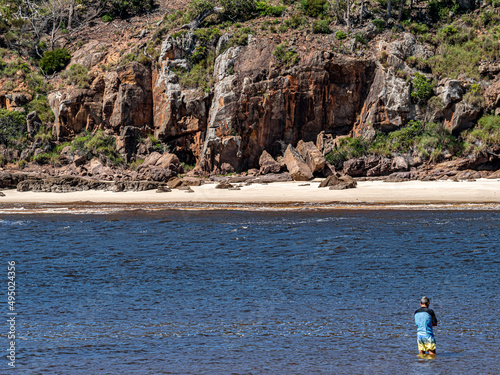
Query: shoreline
[{"x": 483, "y": 193}]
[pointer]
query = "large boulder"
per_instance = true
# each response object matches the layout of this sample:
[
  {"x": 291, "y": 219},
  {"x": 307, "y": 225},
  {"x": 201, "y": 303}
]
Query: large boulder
[
  {"x": 492, "y": 96},
  {"x": 325, "y": 143},
  {"x": 150, "y": 160},
  {"x": 33, "y": 123},
  {"x": 313, "y": 157},
  {"x": 464, "y": 117},
  {"x": 268, "y": 164},
  {"x": 450, "y": 91},
  {"x": 297, "y": 167},
  {"x": 169, "y": 161},
  {"x": 338, "y": 182}
]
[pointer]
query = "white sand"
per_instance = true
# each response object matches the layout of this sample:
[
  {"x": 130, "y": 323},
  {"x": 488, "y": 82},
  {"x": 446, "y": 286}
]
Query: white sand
[{"x": 370, "y": 192}]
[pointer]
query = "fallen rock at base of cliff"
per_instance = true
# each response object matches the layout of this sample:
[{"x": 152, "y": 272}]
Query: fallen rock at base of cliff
[
  {"x": 163, "y": 189},
  {"x": 224, "y": 185},
  {"x": 401, "y": 176},
  {"x": 191, "y": 181},
  {"x": 296, "y": 166},
  {"x": 312, "y": 156},
  {"x": 67, "y": 184},
  {"x": 174, "y": 182},
  {"x": 468, "y": 175},
  {"x": 269, "y": 178},
  {"x": 494, "y": 175},
  {"x": 338, "y": 182},
  {"x": 268, "y": 164},
  {"x": 374, "y": 166}
]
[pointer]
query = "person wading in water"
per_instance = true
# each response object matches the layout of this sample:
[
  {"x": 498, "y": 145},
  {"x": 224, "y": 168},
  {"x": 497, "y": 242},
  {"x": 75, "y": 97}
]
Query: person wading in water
[{"x": 425, "y": 319}]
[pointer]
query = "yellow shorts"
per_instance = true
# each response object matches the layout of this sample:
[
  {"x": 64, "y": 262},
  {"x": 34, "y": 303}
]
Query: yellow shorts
[{"x": 426, "y": 343}]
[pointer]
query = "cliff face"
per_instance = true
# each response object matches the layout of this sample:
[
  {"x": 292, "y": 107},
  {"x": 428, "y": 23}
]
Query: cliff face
[{"x": 255, "y": 105}]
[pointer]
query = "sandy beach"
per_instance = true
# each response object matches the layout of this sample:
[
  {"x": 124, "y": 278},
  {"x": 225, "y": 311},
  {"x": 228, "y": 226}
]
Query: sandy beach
[{"x": 482, "y": 191}]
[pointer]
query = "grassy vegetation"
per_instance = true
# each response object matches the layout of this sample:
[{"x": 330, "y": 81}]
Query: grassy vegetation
[
  {"x": 461, "y": 49},
  {"x": 427, "y": 140},
  {"x": 200, "y": 75},
  {"x": 421, "y": 88},
  {"x": 77, "y": 75},
  {"x": 486, "y": 135},
  {"x": 286, "y": 56}
]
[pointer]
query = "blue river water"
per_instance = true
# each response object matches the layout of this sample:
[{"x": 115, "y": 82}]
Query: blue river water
[{"x": 248, "y": 292}]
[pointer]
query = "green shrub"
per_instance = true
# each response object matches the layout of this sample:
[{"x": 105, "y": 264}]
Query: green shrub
[
  {"x": 107, "y": 18},
  {"x": 313, "y": 8},
  {"x": 14, "y": 67},
  {"x": 340, "y": 35},
  {"x": 124, "y": 8},
  {"x": 286, "y": 56},
  {"x": 240, "y": 38},
  {"x": 37, "y": 84},
  {"x": 295, "y": 21},
  {"x": 464, "y": 58},
  {"x": 360, "y": 38},
  {"x": 421, "y": 88},
  {"x": 265, "y": 9},
  {"x": 379, "y": 24},
  {"x": 425, "y": 140},
  {"x": 418, "y": 63},
  {"x": 475, "y": 99},
  {"x": 12, "y": 126},
  {"x": 197, "y": 7},
  {"x": 242, "y": 9},
  {"x": 44, "y": 135},
  {"x": 321, "y": 27},
  {"x": 485, "y": 135},
  {"x": 283, "y": 28},
  {"x": 54, "y": 61},
  {"x": 46, "y": 158},
  {"x": 415, "y": 27},
  {"x": 201, "y": 74}
]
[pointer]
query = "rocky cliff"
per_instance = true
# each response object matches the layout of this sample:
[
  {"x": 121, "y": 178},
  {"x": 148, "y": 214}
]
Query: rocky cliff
[{"x": 256, "y": 104}]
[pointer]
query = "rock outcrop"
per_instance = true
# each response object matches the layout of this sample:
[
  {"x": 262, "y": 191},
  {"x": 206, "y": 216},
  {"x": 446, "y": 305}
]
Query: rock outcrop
[
  {"x": 114, "y": 100},
  {"x": 179, "y": 114},
  {"x": 387, "y": 106}
]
